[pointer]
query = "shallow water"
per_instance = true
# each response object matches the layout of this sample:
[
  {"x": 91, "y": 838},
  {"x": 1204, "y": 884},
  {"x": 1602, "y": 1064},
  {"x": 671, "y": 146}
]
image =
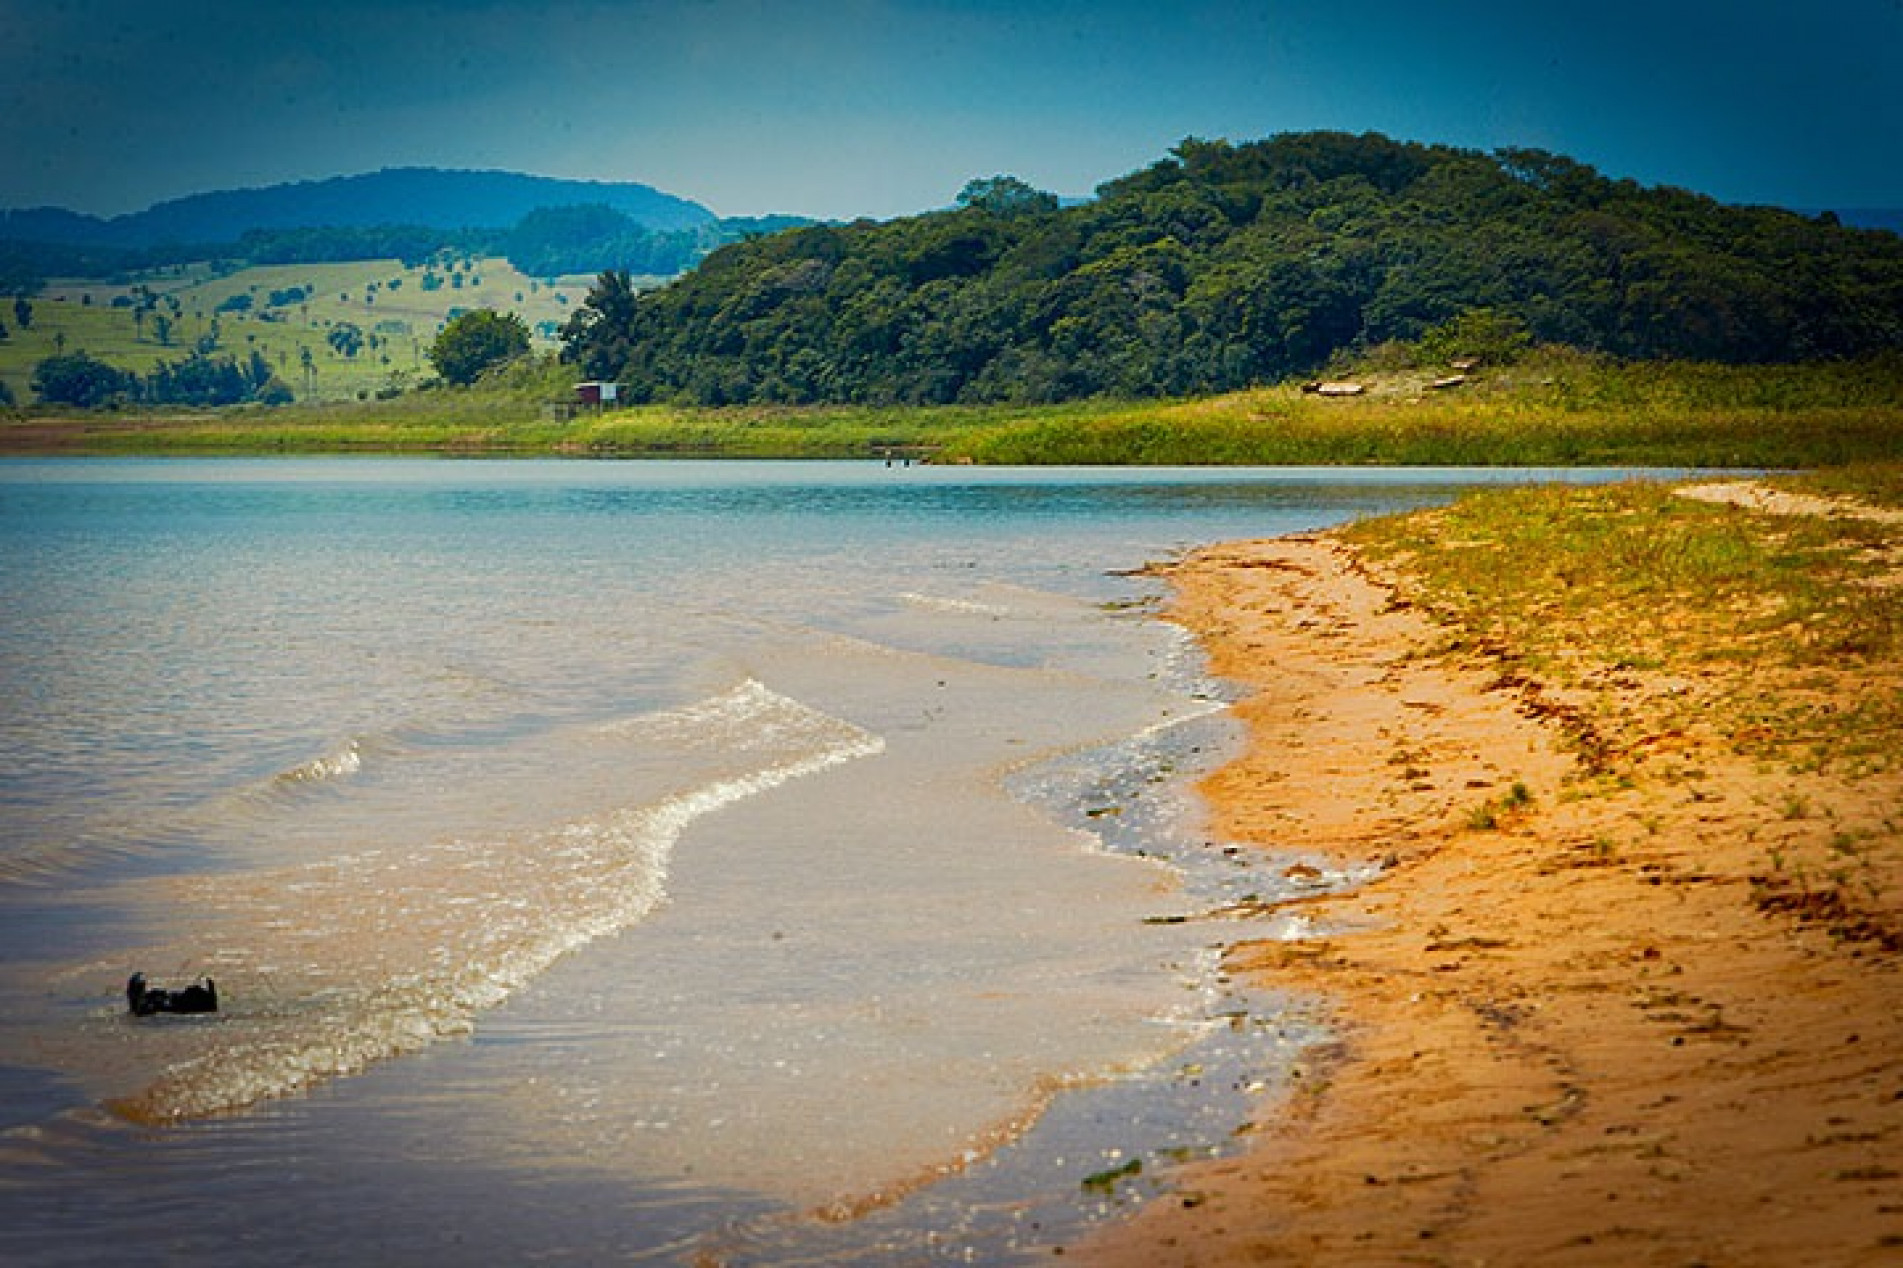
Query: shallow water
[{"x": 612, "y": 860}]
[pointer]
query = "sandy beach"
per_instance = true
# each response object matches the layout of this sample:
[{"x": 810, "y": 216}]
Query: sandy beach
[{"x": 1624, "y": 992}]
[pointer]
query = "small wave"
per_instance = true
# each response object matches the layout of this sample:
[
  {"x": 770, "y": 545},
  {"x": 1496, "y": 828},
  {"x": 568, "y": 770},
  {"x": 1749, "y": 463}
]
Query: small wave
[
  {"x": 133, "y": 833},
  {"x": 340, "y": 763},
  {"x": 746, "y": 700},
  {"x": 748, "y": 717},
  {"x": 964, "y": 607},
  {"x": 271, "y": 794},
  {"x": 444, "y": 933}
]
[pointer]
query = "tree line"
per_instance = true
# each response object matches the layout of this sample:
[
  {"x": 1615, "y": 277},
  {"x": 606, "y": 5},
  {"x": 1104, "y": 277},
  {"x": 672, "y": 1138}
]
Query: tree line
[
  {"x": 77, "y": 379},
  {"x": 1226, "y": 265}
]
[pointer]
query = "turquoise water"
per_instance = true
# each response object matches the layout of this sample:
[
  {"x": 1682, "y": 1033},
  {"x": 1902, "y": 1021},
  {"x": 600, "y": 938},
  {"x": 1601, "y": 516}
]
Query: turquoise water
[{"x": 602, "y": 861}]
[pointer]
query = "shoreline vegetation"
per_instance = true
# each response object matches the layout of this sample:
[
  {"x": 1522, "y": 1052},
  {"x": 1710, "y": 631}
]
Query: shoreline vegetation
[
  {"x": 1625, "y": 988},
  {"x": 1549, "y": 407}
]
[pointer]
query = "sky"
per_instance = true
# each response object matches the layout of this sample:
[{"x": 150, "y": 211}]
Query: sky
[{"x": 881, "y": 108}]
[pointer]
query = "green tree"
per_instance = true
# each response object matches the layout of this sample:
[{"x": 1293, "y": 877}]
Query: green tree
[
  {"x": 346, "y": 338},
  {"x": 597, "y": 336},
  {"x": 1005, "y": 196},
  {"x": 77, "y": 379},
  {"x": 22, "y": 311},
  {"x": 204, "y": 380},
  {"x": 474, "y": 341},
  {"x": 275, "y": 392}
]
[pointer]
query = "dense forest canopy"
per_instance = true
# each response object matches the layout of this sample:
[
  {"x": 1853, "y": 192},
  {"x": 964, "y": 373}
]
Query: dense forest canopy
[{"x": 1226, "y": 265}]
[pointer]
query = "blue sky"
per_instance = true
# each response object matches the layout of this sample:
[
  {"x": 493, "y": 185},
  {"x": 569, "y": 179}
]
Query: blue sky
[{"x": 841, "y": 108}]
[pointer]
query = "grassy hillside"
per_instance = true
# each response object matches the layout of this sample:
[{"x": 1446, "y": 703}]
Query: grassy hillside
[{"x": 396, "y": 308}]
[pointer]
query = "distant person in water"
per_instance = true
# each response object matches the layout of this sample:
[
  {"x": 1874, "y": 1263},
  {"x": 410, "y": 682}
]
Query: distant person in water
[{"x": 200, "y": 997}]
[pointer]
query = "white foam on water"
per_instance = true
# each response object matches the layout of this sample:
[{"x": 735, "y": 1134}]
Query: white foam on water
[
  {"x": 339, "y": 763},
  {"x": 963, "y": 607},
  {"x": 331, "y": 966}
]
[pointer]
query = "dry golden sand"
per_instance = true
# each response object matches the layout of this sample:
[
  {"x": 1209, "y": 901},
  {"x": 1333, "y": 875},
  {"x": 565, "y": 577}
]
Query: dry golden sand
[{"x": 1590, "y": 1033}]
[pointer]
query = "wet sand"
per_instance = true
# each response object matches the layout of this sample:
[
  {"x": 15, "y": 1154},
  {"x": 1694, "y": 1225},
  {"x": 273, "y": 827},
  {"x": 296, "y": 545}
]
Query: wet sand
[{"x": 1574, "y": 1024}]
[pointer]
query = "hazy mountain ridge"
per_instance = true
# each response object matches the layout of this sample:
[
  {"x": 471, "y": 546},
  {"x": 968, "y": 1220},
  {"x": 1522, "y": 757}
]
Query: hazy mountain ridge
[{"x": 431, "y": 197}]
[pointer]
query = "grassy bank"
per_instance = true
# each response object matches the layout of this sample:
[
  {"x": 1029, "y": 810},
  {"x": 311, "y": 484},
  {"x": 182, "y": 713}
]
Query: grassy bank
[
  {"x": 483, "y": 423},
  {"x": 1554, "y": 409},
  {"x": 1650, "y": 624},
  {"x": 1634, "y": 575}
]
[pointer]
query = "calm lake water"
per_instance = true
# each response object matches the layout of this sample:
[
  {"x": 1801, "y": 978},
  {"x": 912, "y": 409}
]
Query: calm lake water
[{"x": 635, "y": 861}]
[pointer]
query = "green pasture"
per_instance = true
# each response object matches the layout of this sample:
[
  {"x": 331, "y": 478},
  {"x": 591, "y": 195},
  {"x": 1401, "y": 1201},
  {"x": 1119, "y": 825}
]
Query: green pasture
[{"x": 394, "y": 307}]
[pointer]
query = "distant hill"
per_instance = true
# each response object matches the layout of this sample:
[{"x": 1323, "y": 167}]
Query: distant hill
[
  {"x": 417, "y": 196},
  {"x": 1224, "y": 266}
]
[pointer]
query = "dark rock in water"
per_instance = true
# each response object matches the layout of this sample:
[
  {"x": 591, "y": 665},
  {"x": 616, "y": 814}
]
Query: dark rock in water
[{"x": 144, "y": 1001}]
